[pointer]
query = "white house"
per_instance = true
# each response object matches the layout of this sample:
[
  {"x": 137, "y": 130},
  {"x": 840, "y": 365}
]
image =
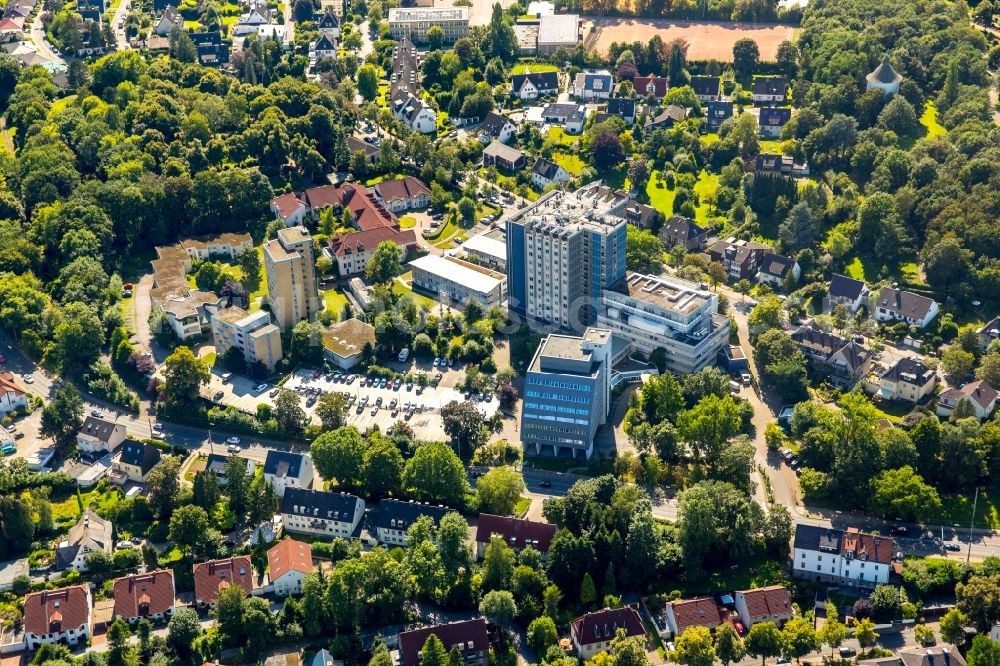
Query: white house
[
  {"x": 769, "y": 89},
  {"x": 979, "y": 394},
  {"x": 168, "y": 21},
  {"x": 417, "y": 115},
  {"x": 594, "y": 632},
  {"x": 288, "y": 562},
  {"x": 774, "y": 269},
  {"x": 12, "y": 394},
  {"x": 895, "y": 305},
  {"x": 321, "y": 513},
  {"x": 545, "y": 172},
  {"x": 284, "y": 470},
  {"x": 496, "y": 127},
  {"x": 290, "y": 209},
  {"x": 402, "y": 194},
  {"x": 250, "y": 21},
  {"x": 846, "y": 558},
  {"x": 148, "y": 595},
  {"x": 593, "y": 85},
  {"x": 53, "y": 616},
  {"x": 98, "y": 435},
  {"x": 532, "y": 85},
  {"x": 328, "y": 24},
  {"x": 395, "y": 517},
  {"x": 324, "y": 47},
  {"x": 90, "y": 534},
  {"x": 764, "y": 604},
  {"x": 847, "y": 291},
  {"x": 884, "y": 78}
]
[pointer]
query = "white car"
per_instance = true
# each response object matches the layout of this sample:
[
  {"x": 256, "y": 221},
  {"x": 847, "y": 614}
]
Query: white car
[
  {"x": 158, "y": 428},
  {"x": 233, "y": 440},
  {"x": 260, "y": 388},
  {"x": 28, "y": 379}
]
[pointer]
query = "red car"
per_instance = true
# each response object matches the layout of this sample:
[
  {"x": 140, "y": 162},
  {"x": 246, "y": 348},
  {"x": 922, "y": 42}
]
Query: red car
[{"x": 388, "y": 384}]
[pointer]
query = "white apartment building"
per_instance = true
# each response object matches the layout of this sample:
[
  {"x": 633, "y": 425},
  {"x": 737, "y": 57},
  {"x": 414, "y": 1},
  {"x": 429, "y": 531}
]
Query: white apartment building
[
  {"x": 453, "y": 281},
  {"x": 250, "y": 332},
  {"x": 321, "y": 514},
  {"x": 846, "y": 558},
  {"x": 98, "y": 435},
  {"x": 284, "y": 470},
  {"x": 395, "y": 517},
  {"x": 288, "y": 563},
  {"x": 414, "y": 22},
  {"x": 653, "y": 312}
]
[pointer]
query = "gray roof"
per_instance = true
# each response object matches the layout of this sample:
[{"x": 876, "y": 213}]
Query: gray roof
[
  {"x": 776, "y": 265},
  {"x": 769, "y": 85},
  {"x": 774, "y": 117},
  {"x": 139, "y": 454},
  {"x": 324, "y": 43},
  {"x": 504, "y": 152},
  {"x": 328, "y": 20},
  {"x": 622, "y": 106},
  {"x": 319, "y": 504},
  {"x": 810, "y": 537},
  {"x": 322, "y": 658},
  {"x": 904, "y": 303},
  {"x": 842, "y": 286},
  {"x": 545, "y": 168},
  {"x": 910, "y": 370},
  {"x": 396, "y": 514},
  {"x": 678, "y": 227},
  {"x": 706, "y": 85},
  {"x": 541, "y": 80},
  {"x": 275, "y": 458},
  {"x": 493, "y": 124},
  {"x": 91, "y": 531},
  {"x": 884, "y": 73}
]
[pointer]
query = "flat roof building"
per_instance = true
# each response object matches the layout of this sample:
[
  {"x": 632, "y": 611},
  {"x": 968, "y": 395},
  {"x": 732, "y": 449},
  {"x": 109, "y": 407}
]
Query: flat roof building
[
  {"x": 290, "y": 268},
  {"x": 567, "y": 392},
  {"x": 414, "y": 22},
  {"x": 487, "y": 250},
  {"x": 453, "y": 281},
  {"x": 556, "y": 31},
  {"x": 252, "y": 333}
]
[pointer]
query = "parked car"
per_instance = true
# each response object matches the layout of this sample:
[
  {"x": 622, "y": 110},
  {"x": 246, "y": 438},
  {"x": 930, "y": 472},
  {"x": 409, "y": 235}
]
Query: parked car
[
  {"x": 545, "y": 484},
  {"x": 260, "y": 388},
  {"x": 28, "y": 379},
  {"x": 98, "y": 413},
  {"x": 233, "y": 440},
  {"x": 273, "y": 393},
  {"x": 218, "y": 396},
  {"x": 847, "y": 652},
  {"x": 8, "y": 449}
]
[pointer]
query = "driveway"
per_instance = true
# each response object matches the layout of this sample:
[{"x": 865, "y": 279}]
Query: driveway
[{"x": 41, "y": 42}]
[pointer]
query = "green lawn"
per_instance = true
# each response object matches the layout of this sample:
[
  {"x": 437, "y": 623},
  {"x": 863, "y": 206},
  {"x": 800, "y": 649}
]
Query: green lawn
[
  {"x": 558, "y": 135},
  {"x": 662, "y": 199},
  {"x": 522, "y": 506},
  {"x": 60, "y": 104},
  {"x": 401, "y": 289},
  {"x": 958, "y": 509},
  {"x": 770, "y": 147},
  {"x": 533, "y": 67},
  {"x": 334, "y": 301},
  {"x": 705, "y": 188},
  {"x": 128, "y": 313},
  {"x": 855, "y": 269},
  {"x": 710, "y": 138},
  {"x": 929, "y": 120},
  {"x": 572, "y": 163},
  {"x": 407, "y": 222}
]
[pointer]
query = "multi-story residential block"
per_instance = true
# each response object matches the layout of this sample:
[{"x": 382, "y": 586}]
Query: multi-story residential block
[
  {"x": 563, "y": 250},
  {"x": 567, "y": 392},
  {"x": 895, "y": 305},
  {"x": 517, "y": 533},
  {"x": 284, "y": 469},
  {"x": 414, "y": 22},
  {"x": 768, "y": 89},
  {"x": 848, "y": 292},
  {"x": 741, "y": 258},
  {"x": 843, "y": 359},
  {"x": 212, "y": 576},
  {"x": 453, "y": 281},
  {"x": 58, "y": 616},
  {"x": 91, "y": 533},
  {"x": 290, "y": 268},
  {"x": 12, "y": 394},
  {"x": 134, "y": 461},
  {"x": 981, "y": 397},
  {"x": 147, "y": 595},
  {"x": 252, "y": 333},
  {"x": 593, "y": 632},
  {"x": 650, "y": 312},
  {"x": 321, "y": 513},
  {"x": 848, "y": 558},
  {"x": 395, "y": 517},
  {"x": 98, "y": 436},
  {"x": 469, "y": 637},
  {"x": 764, "y": 604},
  {"x": 344, "y": 342},
  {"x": 288, "y": 563},
  {"x": 908, "y": 380}
]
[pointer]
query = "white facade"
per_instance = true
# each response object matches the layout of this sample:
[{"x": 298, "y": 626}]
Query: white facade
[
  {"x": 290, "y": 582},
  {"x": 314, "y": 520},
  {"x": 541, "y": 182},
  {"x": 282, "y": 477},
  {"x": 12, "y": 399}
]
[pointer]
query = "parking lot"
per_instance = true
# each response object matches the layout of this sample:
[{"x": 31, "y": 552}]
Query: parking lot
[{"x": 372, "y": 403}]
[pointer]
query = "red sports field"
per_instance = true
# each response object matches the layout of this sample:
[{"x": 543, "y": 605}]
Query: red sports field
[{"x": 708, "y": 40}]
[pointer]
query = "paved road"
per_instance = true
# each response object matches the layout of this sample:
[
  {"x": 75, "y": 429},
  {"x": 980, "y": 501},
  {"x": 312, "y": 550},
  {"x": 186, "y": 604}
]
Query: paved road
[
  {"x": 118, "y": 25},
  {"x": 41, "y": 43}
]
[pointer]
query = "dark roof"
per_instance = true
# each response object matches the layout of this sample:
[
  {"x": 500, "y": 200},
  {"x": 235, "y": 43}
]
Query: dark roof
[
  {"x": 396, "y": 514},
  {"x": 940, "y": 654},
  {"x": 541, "y": 80},
  {"x": 275, "y": 458},
  {"x": 319, "y": 504},
  {"x": 139, "y": 454},
  {"x": 493, "y": 124},
  {"x": 559, "y": 110},
  {"x": 769, "y": 85},
  {"x": 203, "y": 38},
  {"x": 719, "y": 110},
  {"x": 706, "y": 85},
  {"x": 322, "y": 658},
  {"x": 854, "y": 355},
  {"x": 545, "y": 168},
  {"x": 904, "y": 303},
  {"x": 328, "y": 20},
  {"x": 842, "y": 286},
  {"x": 591, "y": 80},
  {"x": 602, "y": 625},
  {"x": 810, "y": 537},
  {"x": 979, "y": 391},
  {"x": 909, "y": 370},
  {"x": 818, "y": 340},
  {"x": 884, "y": 73},
  {"x": 516, "y": 532},
  {"x": 324, "y": 43},
  {"x": 454, "y": 634},
  {"x": 216, "y": 462},
  {"x": 776, "y": 265},
  {"x": 621, "y": 106},
  {"x": 679, "y": 228},
  {"x": 772, "y": 117}
]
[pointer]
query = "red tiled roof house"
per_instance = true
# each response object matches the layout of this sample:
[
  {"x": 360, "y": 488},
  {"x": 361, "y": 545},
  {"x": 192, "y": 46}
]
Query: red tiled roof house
[
  {"x": 352, "y": 251},
  {"x": 469, "y": 637},
  {"x": 288, "y": 562},
  {"x": 765, "y": 604},
  {"x": 516, "y": 532},
  {"x": 691, "y": 613},
  {"x": 149, "y": 595},
  {"x": 212, "y": 576},
  {"x": 63, "y": 615},
  {"x": 289, "y": 208},
  {"x": 594, "y": 632}
]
